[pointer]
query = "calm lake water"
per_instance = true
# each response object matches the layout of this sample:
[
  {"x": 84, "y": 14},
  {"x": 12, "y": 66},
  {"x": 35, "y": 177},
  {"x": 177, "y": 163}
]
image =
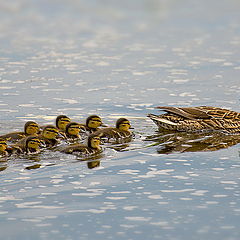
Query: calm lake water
[{"x": 120, "y": 59}]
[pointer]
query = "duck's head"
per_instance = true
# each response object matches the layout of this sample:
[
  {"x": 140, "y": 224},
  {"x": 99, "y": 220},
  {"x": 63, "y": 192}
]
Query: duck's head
[
  {"x": 33, "y": 144},
  {"x": 3, "y": 145},
  {"x": 93, "y": 121},
  {"x": 94, "y": 141},
  {"x": 50, "y": 132},
  {"x": 31, "y": 128},
  {"x": 62, "y": 121},
  {"x": 73, "y": 128},
  {"x": 123, "y": 124}
]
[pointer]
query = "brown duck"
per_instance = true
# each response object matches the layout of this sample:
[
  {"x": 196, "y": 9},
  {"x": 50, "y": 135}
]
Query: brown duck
[
  {"x": 197, "y": 119},
  {"x": 28, "y": 145},
  {"x": 72, "y": 131},
  {"x": 92, "y": 147},
  {"x": 121, "y": 130},
  {"x": 49, "y": 136},
  {"x": 30, "y": 128},
  {"x": 93, "y": 123}
]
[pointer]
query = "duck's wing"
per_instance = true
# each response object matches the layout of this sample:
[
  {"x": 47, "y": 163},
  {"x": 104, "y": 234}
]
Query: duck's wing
[
  {"x": 188, "y": 113},
  {"x": 220, "y": 113}
]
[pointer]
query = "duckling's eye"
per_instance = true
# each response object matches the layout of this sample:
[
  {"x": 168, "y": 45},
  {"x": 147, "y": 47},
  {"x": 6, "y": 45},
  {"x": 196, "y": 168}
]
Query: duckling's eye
[
  {"x": 35, "y": 141},
  {"x": 33, "y": 125},
  {"x": 76, "y": 127},
  {"x": 64, "y": 120},
  {"x": 96, "y": 120},
  {"x": 51, "y": 131}
]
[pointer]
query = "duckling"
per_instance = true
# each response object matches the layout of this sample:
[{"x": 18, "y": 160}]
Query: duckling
[
  {"x": 61, "y": 122},
  {"x": 119, "y": 132},
  {"x": 4, "y": 149},
  {"x": 92, "y": 147},
  {"x": 30, "y": 128},
  {"x": 28, "y": 145},
  {"x": 195, "y": 119},
  {"x": 72, "y": 131},
  {"x": 49, "y": 136},
  {"x": 93, "y": 123}
]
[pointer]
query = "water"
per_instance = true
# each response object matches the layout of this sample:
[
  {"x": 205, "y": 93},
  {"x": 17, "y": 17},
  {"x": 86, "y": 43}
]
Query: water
[{"x": 119, "y": 59}]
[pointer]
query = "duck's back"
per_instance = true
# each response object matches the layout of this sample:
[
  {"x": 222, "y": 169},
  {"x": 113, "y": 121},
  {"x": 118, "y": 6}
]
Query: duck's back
[{"x": 203, "y": 118}]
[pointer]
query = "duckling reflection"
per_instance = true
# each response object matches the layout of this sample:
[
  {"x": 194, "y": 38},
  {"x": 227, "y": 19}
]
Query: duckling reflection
[
  {"x": 30, "y": 128},
  {"x": 172, "y": 142},
  {"x": 93, "y": 164}
]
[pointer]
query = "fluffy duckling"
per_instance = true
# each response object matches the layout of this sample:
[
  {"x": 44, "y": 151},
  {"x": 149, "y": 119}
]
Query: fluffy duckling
[
  {"x": 30, "y": 128},
  {"x": 72, "y": 131},
  {"x": 92, "y": 147},
  {"x": 28, "y": 145},
  {"x": 4, "y": 149},
  {"x": 49, "y": 136},
  {"x": 119, "y": 132},
  {"x": 61, "y": 122},
  {"x": 93, "y": 123}
]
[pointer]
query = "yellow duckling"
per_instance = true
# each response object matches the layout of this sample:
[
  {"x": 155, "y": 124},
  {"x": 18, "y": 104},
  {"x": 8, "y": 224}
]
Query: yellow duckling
[
  {"x": 4, "y": 149},
  {"x": 72, "y": 131},
  {"x": 28, "y": 145},
  {"x": 61, "y": 122},
  {"x": 121, "y": 130},
  {"x": 93, "y": 123},
  {"x": 195, "y": 119},
  {"x": 30, "y": 128},
  {"x": 92, "y": 147},
  {"x": 49, "y": 136}
]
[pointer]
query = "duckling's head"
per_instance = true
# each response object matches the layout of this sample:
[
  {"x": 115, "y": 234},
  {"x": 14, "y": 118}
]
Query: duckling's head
[
  {"x": 73, "y": 128},
  {"x": 93, "y": 121},
  {"x": 31, "y": 128},
  {"x": 62, "y": 121},
  {"x": 3, "y": 145},
  {"x": 50, "y": 132},
  {"x": 94, "y": 142},
  {"x": 123, "y": 124},
  {"x": 33, "y": 144}
]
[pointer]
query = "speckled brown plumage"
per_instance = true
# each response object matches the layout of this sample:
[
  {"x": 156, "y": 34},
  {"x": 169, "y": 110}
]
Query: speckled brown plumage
[{"x": 193, "y": 119}]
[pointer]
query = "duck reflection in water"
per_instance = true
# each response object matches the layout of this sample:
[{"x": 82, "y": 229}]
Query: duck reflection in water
[{"x": 172, "y": 142}]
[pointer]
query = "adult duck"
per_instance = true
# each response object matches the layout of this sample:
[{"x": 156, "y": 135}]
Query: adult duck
[{"x": 195, "y": 119}]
